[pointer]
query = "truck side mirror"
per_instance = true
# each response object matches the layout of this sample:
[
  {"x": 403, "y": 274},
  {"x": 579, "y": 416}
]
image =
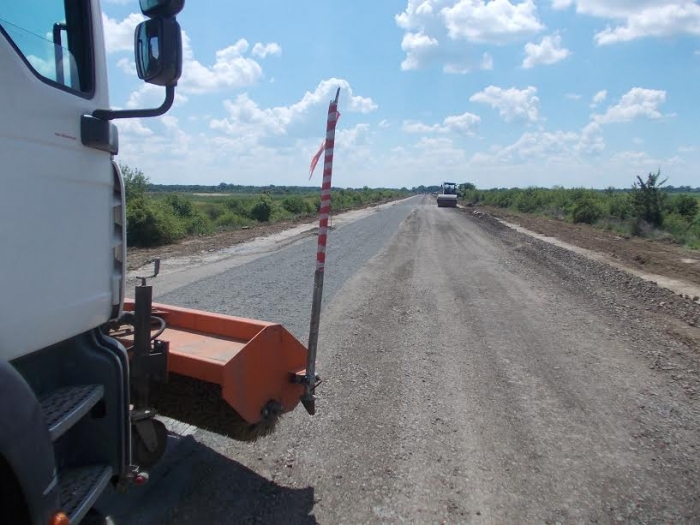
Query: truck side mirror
[
  {"x": 158, "y": 50},
  {"x": 161, "y": 8}
]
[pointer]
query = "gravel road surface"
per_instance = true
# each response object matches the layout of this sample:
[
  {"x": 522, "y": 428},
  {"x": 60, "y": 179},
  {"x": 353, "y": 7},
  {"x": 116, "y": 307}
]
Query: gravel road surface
[
  {"x": 278, "y": 288},
  {"x": 473, "y": 375}
]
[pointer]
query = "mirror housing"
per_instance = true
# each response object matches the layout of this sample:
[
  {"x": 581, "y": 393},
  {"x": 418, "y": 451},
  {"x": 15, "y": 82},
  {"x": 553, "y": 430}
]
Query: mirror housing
[
  {"x": 161, "y": 8},
  {"x": 158, "y": 51}
]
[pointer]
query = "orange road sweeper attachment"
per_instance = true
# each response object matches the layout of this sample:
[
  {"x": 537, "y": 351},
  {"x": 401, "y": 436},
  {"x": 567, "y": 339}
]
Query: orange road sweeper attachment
[{"x": 229, "y": 375}]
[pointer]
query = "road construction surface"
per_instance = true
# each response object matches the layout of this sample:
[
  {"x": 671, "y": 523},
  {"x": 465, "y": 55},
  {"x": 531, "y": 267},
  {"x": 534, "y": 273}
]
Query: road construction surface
[{"x": 472, "y": 375}]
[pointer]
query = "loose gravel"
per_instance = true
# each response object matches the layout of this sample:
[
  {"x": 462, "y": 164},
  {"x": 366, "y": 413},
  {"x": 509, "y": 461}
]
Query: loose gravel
[{"x": 656, "y": 317}]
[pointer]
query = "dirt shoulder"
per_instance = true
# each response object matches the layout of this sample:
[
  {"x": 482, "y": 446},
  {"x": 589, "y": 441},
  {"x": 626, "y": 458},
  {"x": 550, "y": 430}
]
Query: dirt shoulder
[
  {"x": 138, "y": 257},
  {"x": 660, "y": 258}
]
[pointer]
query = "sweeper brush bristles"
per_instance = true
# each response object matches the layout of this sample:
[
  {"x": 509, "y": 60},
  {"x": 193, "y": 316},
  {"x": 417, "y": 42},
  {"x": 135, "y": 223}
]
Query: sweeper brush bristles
[{"x": 199, "y": 403}]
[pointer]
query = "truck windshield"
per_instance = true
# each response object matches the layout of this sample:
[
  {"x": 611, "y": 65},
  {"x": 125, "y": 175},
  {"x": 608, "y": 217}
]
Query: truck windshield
[{"x": 53, "y": 38}]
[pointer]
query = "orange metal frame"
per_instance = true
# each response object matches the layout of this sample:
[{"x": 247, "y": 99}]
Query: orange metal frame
[{"x": 253, "y": 361}]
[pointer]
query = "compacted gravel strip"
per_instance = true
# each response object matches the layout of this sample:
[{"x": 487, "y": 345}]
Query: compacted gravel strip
[{"x": 278, "y": 288}]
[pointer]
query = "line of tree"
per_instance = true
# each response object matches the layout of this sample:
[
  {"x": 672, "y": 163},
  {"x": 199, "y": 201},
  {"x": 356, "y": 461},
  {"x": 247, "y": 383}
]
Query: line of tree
[
  {"x": 159, "y": 216},
  {"x": 647, "y": 208},
  {"x": 245, "y": 189}
]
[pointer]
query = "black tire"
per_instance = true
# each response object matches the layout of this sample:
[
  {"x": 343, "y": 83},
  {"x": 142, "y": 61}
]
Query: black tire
[
  {"x": 13, "y": 504},
  {"x": 95, "y": 517},
  {"x": 140, "y": 453}
]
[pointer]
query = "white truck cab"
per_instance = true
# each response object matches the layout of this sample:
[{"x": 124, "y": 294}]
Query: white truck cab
[{"x": 65, "y": 421}]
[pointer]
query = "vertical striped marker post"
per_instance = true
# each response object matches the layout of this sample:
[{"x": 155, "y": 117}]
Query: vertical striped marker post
[{"x": 308, "y": 399}]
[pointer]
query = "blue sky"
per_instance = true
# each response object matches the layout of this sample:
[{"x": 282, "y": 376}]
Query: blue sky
[{"x": 500, "y": 92}]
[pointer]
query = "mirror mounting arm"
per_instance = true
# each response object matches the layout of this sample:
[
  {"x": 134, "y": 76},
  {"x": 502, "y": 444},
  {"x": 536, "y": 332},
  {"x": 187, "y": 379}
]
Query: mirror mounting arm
[{"x": 111, "y": 114}]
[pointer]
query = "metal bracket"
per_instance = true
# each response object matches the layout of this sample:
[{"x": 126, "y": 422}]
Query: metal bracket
[
  {"x": 303, "y": 379},
  {"x": 156, "y": 271},
  {"x": 157, "y": 363},
  {"x": 308, "y": 400}
]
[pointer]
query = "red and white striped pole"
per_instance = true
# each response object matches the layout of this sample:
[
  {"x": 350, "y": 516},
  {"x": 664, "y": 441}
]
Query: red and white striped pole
[{"x": 308, "y": 399}]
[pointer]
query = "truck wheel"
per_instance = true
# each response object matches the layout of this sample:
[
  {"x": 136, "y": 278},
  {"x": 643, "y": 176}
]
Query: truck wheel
[
  {"x": 95, "y": 517},
  {"x": 14, "y": 507},
  {"x": 144, "y": 455}
]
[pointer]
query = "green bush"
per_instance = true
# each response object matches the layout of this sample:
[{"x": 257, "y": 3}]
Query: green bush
[
  {"x": 212, "y": 210},
  {"x": 261, "y": 210},
  {"x": 684, "y": 232},
  {"x": 297, "y": 205},
  {"x": 135, "y": 182},
  {"x": 231, "y": 221},
  {"x": 619, "y": 206},
  {"x": 692, "y": 236},
  {"x": 530, "y": 200},
  {"x": 239, "y": 206},
  {"x": 199, "y": 224},
  {"x": 686, "y": 206},
  {"x": 676, "y": 224},
  {"x": 151, "y": 223},
  {"x": 648, "y": 199},
  {"x": 193, "y": 220},
  {"x": 586, "y": 211}
]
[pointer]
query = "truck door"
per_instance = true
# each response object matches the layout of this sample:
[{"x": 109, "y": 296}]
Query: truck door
[{"x": 57, "y": 199}]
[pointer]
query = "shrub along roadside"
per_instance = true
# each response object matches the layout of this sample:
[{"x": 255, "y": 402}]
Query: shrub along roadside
[
  {"x": 155, "y": 219},
  {"x": 644, "y": 210}
]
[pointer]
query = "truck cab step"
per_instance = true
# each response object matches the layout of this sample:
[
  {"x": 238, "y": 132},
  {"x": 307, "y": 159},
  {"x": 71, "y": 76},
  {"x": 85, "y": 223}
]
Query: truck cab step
[
  {"x": 64, "y": 407},
  {"x": 79, "y": 489}
]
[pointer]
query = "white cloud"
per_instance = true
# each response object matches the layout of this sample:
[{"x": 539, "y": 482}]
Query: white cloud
[
  {"x": 263, "y": 50},
  {"x": 134, "y": 126},
  {"x": 547, "y": 52},
  {"x": 539, "y": 144},
  {"x": 384, "y": 124},
  {"x": 46, "y": 67},
  {"x": 127, "y": 65},
  {"x": 456, "y": 68},
  {"x": 230, "y": 70},
  {"x": 412, "y": 126},
  {"x": 437, "y": 156},
  {"x": 119, "y": 36},
  {"x": 638, "y": 102},
  {"x": 492, "y": 22},
  {"x": 599, "y": 97},
  {"x": 487, "y": 62},
  {"x": 355, "y": 136},
  {"x": 512, "y": 104},
  {"x": 419, "y": 49},
  {"x": 591, "y": 139},
  {"x": 149, "y": 96},
  {"x": 573, "y": 96},
  {"x": 631, "y": 156},
  {"x": 639, "y": 18},
  {"x": 435, "y": 30},
  {"x": 463, "y": 124},
  {"x": 548, "y": 146},
  {"x": 246, "y": 117}
]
